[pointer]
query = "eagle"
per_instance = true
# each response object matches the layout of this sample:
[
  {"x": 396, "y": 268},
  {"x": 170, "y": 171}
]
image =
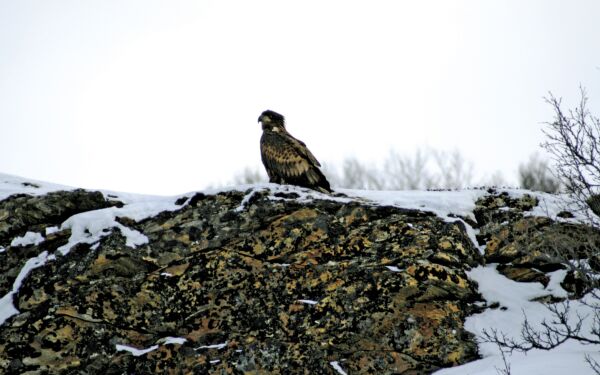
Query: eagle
[{"x": 287, "y": 159}]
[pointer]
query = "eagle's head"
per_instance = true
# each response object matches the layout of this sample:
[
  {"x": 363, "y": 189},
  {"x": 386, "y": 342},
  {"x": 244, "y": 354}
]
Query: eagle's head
[{"x": 271, "y": 120}]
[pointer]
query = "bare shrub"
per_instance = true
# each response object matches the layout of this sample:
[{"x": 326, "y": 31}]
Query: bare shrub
[
  {"x": 406, "y": 173},
  {"x": 565, "y": 325},
  {"x": 355, "y": 175},
  {"x": 425, "y": 169},
  {"x": 573, "y": 139},
  {"x": 454, "y": 170},
  {"x": 250, "y": 176},
  {"x": 536, "y": 175}
]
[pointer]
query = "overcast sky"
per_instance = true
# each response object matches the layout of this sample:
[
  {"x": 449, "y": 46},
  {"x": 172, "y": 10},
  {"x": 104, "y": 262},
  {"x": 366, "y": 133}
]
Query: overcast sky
[{"x": 162, "y": 97}]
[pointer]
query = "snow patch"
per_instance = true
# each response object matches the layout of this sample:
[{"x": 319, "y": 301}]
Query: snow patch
[
  {"x": 336, "y": 366},
  {"x": 393, "y": 268},
  {"x": 308, "y": 301},
  {"x": 554, "y": 286},
  {"x": 172, "y": 340},
  {"x": 247, "y": 199},
  {"x": 139, "y": 352},
  {"x": 89, "y": 227},
  {"x": 445, "y": 204},
  {"x": 11, "y": 185},
  {"x": 214, "y": 346},
  {"x": 518, "y": 298},
  {"x": 50, "y": 230},
  {"x": 136, "y": 352},
  {"x": 550, "y": 205},
  {"x": 30, "y": 238},
  {"x": 7, "y": 309}
]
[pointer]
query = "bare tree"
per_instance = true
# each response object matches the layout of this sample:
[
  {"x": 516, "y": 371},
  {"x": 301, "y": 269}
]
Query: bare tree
[
  {"x": 563, "y": 326},
  {"x": 573, "y": 138},
  {"x": 495, "y": 179},
  {"x": 454, "y": 170},
  {"x": 356, "y": 175},
  {"x": 536, "y": 175},
  {"x": 249, "y": 176},
  {"x": 402, "y": 172}
]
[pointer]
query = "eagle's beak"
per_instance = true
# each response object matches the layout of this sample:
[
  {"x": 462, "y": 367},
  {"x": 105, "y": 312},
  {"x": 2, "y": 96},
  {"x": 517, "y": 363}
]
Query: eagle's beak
[{"x": 259, "y": 119}]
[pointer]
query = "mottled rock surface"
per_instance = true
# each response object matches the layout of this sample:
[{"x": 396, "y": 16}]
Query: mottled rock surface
[
  {"x": 24, "y": 213},
  {"x": 284, "y": 286},
  {"x": 259, "y": 282},
  {"x": 528, "y": 247}
]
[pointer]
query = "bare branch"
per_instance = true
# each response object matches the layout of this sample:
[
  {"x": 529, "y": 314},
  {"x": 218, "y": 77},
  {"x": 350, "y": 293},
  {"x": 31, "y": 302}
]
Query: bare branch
[
  {"x": 573, "y": 141},
  {"x": 594, "y": 365}
]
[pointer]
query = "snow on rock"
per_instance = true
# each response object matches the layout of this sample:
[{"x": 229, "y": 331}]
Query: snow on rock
[
  {"x": 30, "y": 238},
  {"x": 86, "y": 227},
  {"x": 134, "y": 351},
  {"x": 247, "y": 199},
  {"x": 515, "y": 298},
  {"x": 448, "y": 205},
  {"x": 336, "y": 366},
  {"x": 50, "y": 230},
  {"x": 11, "y": 185},
  {"x": 442, "y": 203},
  {"x": 445, "y": 204},
  {"x": 90, "y": 227},
  {"x": 214, "y": 346},
  {"x": 516, "y": 303},
  {"x": 172, "y": 340},
  {"x": 308, "y": 301},
  {"x": 549, "y": 205},
  {"x": 139, "y": 352},
  {"x": 393, "y": 268},
  {"x": 278, "y": 192},
  {"x": 7, "y": 308}
]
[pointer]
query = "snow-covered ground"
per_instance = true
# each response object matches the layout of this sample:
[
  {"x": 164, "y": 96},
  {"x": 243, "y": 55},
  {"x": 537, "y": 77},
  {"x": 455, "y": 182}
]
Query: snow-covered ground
[{"x": 514, "y": 299}]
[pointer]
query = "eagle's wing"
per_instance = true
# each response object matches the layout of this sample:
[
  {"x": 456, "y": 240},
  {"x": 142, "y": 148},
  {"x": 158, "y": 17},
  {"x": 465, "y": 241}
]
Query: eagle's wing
[
  {"x": 301, "y": 147},
  {"x": 284, "y": 155}
]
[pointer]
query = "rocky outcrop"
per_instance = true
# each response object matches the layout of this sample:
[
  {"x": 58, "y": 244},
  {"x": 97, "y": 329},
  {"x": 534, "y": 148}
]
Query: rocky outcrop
[
  {"x": 257, "y": 282},
  {"x": 24, "y": 213},
  {"x": 528, "y": 247}
]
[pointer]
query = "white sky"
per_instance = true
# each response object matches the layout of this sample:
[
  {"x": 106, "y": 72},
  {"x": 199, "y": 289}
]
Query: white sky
[{"x": 163, "y": 96}]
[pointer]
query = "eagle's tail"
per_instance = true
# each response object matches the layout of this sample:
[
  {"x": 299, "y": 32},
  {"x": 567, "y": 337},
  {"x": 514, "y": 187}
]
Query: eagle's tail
[{"x": 318, "y": 181}]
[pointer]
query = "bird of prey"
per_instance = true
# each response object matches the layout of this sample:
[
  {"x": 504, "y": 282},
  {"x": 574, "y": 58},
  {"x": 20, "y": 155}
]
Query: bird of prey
[{"x": 287, "y": 159}]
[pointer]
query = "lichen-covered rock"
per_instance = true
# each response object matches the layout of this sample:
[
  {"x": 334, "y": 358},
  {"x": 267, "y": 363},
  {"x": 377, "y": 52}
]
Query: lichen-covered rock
[
  {"x": 25, "y": 213},
  {"x": 528, "y": 247},
  {"x": 254, "y": 283},
  {"x": 22, "y": 213}
]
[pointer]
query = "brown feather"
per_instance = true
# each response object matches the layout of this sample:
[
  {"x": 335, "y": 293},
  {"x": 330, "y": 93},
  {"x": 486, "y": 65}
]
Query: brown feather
[{"x": 288, "y": 160}]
